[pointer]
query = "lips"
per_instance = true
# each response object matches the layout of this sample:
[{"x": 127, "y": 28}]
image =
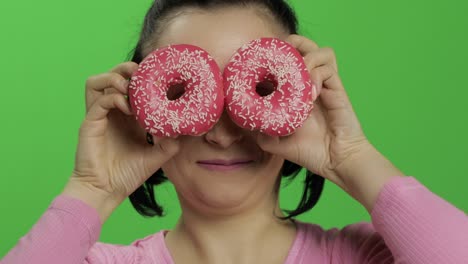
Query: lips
[
  {"x": 225, "y": 165},
  {"x": 225, "y": 162}
]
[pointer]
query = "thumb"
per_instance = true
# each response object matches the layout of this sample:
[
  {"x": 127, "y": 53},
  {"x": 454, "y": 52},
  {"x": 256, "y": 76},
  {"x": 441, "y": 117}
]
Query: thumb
[
  {"x": 269, "y": 143},
  {"x": 160, "y": 151}
]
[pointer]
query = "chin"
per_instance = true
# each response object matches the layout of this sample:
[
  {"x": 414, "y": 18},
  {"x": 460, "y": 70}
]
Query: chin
[{"x": 225, "y": 197}]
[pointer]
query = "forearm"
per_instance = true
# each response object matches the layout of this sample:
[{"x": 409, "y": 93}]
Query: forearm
[
  {"x": 419, "y": 226},
  {"x": 104, "y": 203},
  {"x": 64, "y": 234},
  {"x": 365, "y": 174}
]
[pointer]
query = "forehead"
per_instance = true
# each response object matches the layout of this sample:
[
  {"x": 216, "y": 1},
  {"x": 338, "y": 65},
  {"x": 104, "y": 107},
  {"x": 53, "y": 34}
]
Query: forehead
[{"x": 219, "y": 31}]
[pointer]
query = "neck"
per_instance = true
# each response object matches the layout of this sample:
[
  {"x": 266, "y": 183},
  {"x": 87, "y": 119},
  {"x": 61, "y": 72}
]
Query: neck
[{"x": 238, "y": 236}]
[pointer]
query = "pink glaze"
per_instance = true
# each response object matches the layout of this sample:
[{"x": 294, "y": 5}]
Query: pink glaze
[
  {"x": 284, "y": 110},
  {"x": 200, "y": 106}
]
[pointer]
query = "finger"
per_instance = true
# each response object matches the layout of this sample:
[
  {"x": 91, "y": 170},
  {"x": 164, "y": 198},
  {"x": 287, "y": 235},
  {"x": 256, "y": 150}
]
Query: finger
[
  {"x": 125, "y": 69},
  {"x": 319, "y": 57},
  {"x": 284, "y": 146},
  {"x": 268, "y": 143},
  {"x": 301, "y": 43},
  {"x": 320, "y": 76},
  {"x": 317, "y": 109},
  {"x": 98, "y": 85},
  {"x": 333, "y": 95},
  {"x": 116, "y": 78},
  {"x": 163, "y": 150},
  {"x": 106, "y": 80},
  {"x": 101, "y": 108}
]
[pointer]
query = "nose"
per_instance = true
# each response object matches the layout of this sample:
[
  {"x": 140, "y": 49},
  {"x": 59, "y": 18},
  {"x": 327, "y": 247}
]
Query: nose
[{"x": 224, "y": 133}]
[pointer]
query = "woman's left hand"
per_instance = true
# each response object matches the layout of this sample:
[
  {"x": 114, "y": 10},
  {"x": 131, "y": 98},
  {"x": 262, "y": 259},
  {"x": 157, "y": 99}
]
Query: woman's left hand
[{"x": 332, "y": 134}]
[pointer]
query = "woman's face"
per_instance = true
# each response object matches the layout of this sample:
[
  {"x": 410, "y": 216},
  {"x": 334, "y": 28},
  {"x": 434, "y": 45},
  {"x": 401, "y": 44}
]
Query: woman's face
[{"x": 223, "y": 170}]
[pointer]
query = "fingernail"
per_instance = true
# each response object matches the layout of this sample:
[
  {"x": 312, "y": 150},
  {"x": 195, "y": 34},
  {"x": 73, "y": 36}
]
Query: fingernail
[
  {"x": 314, "y": 92},
  {"x": 124, "y": 83}
]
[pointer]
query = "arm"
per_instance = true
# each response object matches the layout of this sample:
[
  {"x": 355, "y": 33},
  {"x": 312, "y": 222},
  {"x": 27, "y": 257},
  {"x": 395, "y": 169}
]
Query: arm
[
  {"x": 71, "y": 226},
  {"x": 416, "y": 225},
  {"x": 67, "y": 233},
  {"x": 64, "y": 234},
  {"x": 67, "y": 230}
]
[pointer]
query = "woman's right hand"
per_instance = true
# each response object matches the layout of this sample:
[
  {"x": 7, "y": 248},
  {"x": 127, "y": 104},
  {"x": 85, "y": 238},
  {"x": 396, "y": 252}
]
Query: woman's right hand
[{"x": 113, "y": 157}]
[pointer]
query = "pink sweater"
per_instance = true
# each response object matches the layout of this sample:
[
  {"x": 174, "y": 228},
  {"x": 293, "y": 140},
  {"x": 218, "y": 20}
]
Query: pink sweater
[{"x": 409, "y": 225}]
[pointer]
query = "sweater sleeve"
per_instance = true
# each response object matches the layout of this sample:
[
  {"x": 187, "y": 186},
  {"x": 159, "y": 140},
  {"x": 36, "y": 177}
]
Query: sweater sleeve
[
  {"x": 419, "y": 226},
  {"x": 410, "y": 224},
  {"x": 64, "y": 234}
]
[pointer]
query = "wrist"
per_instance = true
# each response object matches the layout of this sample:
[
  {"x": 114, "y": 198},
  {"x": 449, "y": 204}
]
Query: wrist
[
  {"x": 365, "y": 174},
  {"x": 102, "y": 201}
]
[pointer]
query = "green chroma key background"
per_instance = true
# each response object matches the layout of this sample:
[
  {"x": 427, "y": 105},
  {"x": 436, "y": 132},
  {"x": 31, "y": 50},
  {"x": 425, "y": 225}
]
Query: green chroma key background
[{"x": 402, "y": 62}]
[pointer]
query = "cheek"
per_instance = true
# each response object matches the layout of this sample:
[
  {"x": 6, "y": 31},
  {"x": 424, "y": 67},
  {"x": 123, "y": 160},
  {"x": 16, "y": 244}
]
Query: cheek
[{"x": 269, "y": 171}]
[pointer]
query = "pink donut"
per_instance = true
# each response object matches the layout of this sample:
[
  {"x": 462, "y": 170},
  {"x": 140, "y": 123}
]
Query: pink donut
[
  {"x": 268, "y": 62},
  {"x": 187, "y": 70}
]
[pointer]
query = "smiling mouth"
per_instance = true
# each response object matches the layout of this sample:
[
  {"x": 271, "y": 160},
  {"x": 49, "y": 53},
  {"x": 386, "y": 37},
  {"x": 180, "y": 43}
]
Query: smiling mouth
[{"x": 225, "y": 165}]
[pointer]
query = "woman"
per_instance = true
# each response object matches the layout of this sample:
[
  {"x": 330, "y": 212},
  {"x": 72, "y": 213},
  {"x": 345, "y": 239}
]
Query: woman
[{"x": 230, "y": 214}]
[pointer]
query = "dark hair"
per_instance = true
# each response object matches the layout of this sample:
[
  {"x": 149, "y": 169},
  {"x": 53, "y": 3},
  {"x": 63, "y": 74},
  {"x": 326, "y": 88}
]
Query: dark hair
[{"x": 143, "y": 199}]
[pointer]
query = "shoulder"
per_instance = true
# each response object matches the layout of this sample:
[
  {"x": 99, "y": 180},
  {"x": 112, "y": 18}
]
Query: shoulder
[
  {"x": 356, "y": 233},
  {"x": 359, "y": 242},
  {"x": 149, "y": 249}
]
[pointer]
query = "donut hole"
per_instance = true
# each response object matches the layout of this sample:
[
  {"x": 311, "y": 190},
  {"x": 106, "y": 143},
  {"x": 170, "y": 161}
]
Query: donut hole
[
  {"x": 175, "y": 91},
  {"x": 266, "y": 87}
]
